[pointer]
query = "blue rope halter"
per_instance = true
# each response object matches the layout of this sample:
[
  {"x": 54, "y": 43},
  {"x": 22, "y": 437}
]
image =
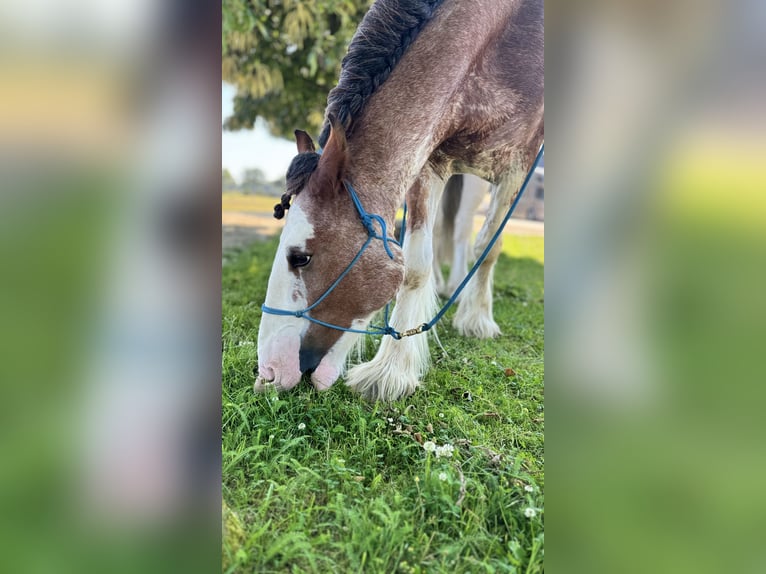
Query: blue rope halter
[{"x": 369, "y": 220}]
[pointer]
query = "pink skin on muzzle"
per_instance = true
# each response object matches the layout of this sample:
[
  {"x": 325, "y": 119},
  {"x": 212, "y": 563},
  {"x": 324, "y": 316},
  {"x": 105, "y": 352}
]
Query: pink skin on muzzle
[
  {"x": 325, "y": 375},
  {"x": 282, "y": 370},
  {"x": 283, "y": 374},
  {"x": 278, "y": 364}
]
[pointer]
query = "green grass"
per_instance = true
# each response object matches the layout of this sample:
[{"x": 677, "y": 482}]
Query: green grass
[
  {"x": 236, "y": 201},
  {"x": 354, "y": 490}
]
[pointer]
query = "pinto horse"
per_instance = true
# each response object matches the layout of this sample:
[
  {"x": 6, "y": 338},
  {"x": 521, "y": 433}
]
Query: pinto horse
[{"x": 427, "y": 89}]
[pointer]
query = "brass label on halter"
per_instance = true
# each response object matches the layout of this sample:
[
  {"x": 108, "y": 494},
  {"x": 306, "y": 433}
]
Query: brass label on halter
[{"x": 410, "y": 332}]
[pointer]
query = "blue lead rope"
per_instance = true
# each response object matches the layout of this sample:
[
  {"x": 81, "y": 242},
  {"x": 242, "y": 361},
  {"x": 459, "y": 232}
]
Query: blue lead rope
[
  {"x": 487, "y": 249},
  {"x": 369, "y": 220}
]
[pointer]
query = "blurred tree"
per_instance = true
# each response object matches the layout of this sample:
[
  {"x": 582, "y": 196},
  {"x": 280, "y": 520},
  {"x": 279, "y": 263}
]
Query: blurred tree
[
  {"x": 283, "y": 56},
  {"x": 228, "y": 182},
  {"x": 253, "y": 180}
]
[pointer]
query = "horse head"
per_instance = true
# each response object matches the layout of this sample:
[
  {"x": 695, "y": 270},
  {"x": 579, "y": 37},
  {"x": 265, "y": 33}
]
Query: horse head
[{"x": 322, "y": 235}]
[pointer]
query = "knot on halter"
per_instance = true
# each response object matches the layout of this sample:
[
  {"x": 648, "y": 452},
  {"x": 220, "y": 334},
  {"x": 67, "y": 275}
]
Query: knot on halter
[
  {"x": 389, "y": 330},
  {"x": 369, "y": 219}
]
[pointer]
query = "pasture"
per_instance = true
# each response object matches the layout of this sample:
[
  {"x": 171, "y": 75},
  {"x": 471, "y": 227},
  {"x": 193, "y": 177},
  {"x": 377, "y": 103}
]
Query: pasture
[{"x": 326, "y": 482}]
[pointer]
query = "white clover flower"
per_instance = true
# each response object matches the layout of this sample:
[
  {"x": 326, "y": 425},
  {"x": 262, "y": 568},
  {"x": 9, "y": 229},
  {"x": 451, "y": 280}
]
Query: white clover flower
[
  {"x": 529, "y": 488},
  {"x": 389, "y": 419},
  {"x": 445, "y": 451},
  {"x": 530, "y": 512},
  {"x": 442, "y": 476},
  {"x": 429, "y": 446},
  {"x": 301, "y": 426}
]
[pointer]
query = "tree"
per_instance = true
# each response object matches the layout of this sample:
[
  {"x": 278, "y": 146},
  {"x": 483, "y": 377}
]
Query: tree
[
  {"x": 253, "y": 180},
  {"x": 227, "y": 181},
  {"x": 284, "y": 56}
]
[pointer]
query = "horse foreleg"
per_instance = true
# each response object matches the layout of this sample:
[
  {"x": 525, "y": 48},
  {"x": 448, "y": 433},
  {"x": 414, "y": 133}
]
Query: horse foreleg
[
  {"x": 399, "y": 365},
  {"x": 474, "y": 314},
  {"x": 474, "y": 191},
  {"x": 439, "y": 247}
]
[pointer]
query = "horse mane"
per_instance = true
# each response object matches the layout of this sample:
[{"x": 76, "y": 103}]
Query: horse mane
[{"x": 386, "y": 32}]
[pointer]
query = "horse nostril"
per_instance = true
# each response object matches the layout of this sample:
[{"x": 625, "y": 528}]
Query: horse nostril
[
  {"x": 309, "y": 359},
  {"x": 266, "y": 372}
]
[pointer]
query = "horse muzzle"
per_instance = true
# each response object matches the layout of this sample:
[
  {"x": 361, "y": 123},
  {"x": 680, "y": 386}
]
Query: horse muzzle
[{"x": 278, "y": 364}]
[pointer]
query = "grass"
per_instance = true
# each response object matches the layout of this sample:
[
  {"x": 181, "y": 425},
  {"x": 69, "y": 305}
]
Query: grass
[
  {"x": 326, "y": 482},
  {"x": 236, "y": 201}
]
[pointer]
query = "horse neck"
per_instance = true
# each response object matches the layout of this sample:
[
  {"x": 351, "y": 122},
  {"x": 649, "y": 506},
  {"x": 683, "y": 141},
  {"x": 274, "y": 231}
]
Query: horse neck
[
  {"x": 382, "y": 171},
  {"x": 415, "y": 109}
]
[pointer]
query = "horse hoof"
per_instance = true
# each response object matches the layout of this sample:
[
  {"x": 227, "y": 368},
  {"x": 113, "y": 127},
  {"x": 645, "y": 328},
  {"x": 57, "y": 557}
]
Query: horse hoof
[
  {"x": 379, "y": 382},
  {"x": 479, "y": 327}
]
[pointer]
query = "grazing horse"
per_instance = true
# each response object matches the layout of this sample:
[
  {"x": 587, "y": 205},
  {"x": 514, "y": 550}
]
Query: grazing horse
[
  {"x": 427, "y": 89},
  {"x": 453, "y": 228}
]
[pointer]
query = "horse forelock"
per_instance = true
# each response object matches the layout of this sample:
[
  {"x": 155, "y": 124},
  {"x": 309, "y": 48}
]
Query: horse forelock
[
  {"x": 386, "y": 32},
  {"x": 298, "y": 174}
]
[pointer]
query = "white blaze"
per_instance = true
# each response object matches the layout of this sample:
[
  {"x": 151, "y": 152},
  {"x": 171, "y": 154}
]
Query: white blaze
[{"x": 279, "y": 335}]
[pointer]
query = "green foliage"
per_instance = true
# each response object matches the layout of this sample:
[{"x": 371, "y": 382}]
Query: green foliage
[
  {"x": 326, "y": 482},
  {"x": 284, "y": 56},
  {"x": 227, "y": 181},
  {"x": 252, "y": 178}
]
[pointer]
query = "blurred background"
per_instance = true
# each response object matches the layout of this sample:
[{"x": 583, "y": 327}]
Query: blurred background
[
  {"x": 655, "y": 273},
  {"x": 109, "y": 289}
]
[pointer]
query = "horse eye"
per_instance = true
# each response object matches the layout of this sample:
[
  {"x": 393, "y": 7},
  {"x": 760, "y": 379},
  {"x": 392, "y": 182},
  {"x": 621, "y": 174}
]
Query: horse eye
[{"x": 298, "y": 259}]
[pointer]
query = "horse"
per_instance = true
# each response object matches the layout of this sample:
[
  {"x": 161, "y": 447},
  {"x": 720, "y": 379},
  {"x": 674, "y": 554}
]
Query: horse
[
  {"x": 428, "y": 88},
  {"x": 453, "y": 228}
]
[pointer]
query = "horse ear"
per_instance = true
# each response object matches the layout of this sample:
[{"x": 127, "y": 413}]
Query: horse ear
[
  {"x": 333, "y": 159},
  {"x": 304, "y": 141},
  {"x": 337, "y": 137}
]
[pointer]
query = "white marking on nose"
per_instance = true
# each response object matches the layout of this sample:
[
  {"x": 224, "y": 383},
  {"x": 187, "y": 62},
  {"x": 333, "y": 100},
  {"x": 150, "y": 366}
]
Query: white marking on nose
[{"x": 279, "y": 336}]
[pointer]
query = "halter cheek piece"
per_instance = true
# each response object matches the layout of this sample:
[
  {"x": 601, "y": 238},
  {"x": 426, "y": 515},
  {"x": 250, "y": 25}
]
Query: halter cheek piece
[{"x": 369, "y": 220}]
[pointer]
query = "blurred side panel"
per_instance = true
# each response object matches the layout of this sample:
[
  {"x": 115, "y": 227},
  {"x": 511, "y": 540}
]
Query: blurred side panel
[
  {"x": 655, "y": 283},
  {"x": 110, "y": 286}
]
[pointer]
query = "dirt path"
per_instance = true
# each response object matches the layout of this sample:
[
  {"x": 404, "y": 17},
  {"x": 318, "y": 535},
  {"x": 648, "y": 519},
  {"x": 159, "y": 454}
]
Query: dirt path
[{"x": 239, "y": 229}]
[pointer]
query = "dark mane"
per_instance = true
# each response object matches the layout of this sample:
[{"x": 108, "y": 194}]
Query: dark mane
[{"x": 387, "y": 30}]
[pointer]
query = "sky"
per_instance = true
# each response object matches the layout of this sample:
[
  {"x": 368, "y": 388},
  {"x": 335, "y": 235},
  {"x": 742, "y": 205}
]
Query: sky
[{"x": 252, "y": 148}]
